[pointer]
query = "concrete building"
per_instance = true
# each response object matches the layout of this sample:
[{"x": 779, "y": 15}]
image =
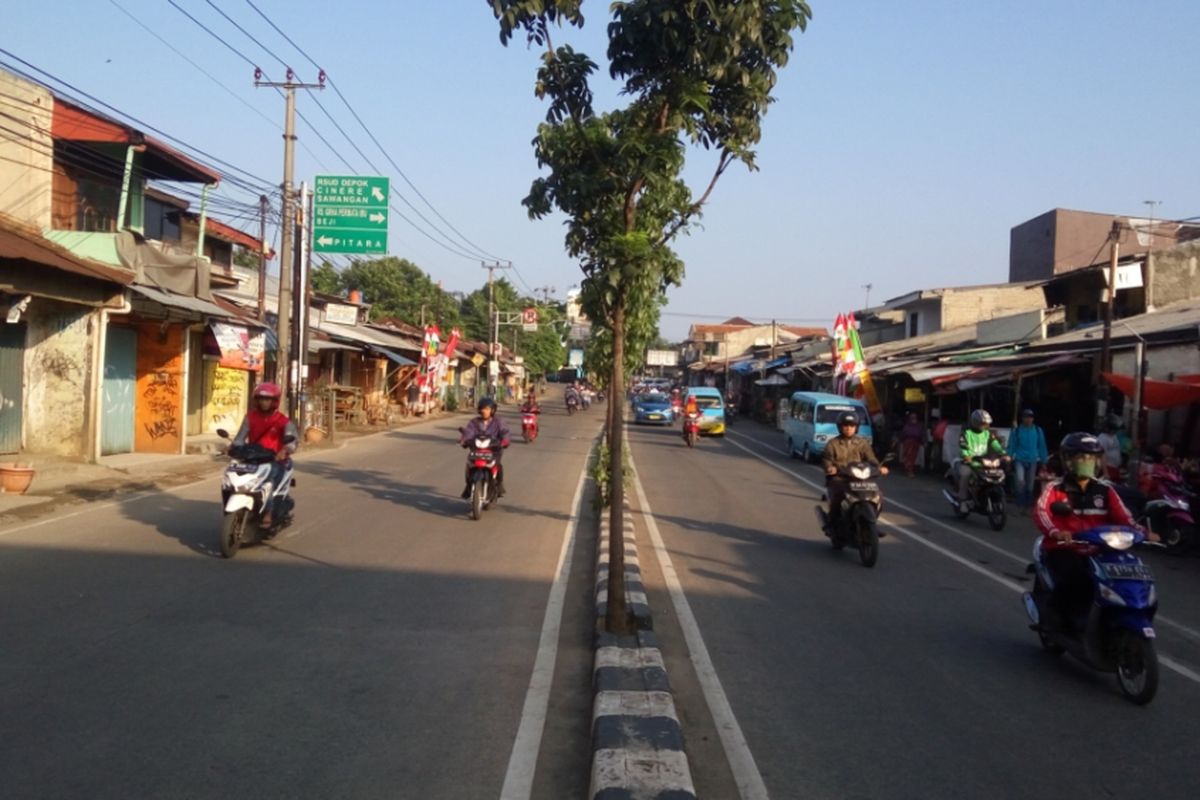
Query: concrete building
[
  {"x": 928, "y": 311},
  {"x": 736, "y": 337},
  {"x": 1062, "y": 240}
]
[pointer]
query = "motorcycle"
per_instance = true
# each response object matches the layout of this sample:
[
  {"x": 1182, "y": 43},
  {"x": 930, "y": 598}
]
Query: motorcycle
[
  {"x": 1117, "y": 633},
  {"x": 985, "y": 491},
  {"x": 245, "y": 489},
  {"x": 529, "y": 426},
  {"x": 858, "y": 522},
  {"x": 1165, "y": 508},
  {"x": 691, "y": 429},
  {"x": 572, "y": 404},
  {"x": 484, "y": 469},
  {"x": 676, "y": 408}
]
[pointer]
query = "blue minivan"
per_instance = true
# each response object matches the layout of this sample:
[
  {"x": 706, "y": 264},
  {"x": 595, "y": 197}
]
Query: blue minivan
[
  {"x": 812, "y": 421},
  {"x": 712, "y": 408}
]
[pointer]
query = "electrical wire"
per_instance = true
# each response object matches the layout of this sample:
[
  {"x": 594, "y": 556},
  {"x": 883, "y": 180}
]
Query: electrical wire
[
  {"x": 254, "y": 184},
  {"x": 471, "y": 245}
]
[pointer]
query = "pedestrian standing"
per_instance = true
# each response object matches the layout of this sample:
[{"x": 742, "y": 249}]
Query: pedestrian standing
[
  {"x": 1110, "y": 440},
  {"x": 1027, "y": 446},
  {"x": 912, "y": 438}
]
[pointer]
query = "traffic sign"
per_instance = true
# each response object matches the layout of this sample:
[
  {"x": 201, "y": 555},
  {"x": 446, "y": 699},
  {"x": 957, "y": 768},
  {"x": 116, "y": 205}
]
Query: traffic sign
[
  {"x": 529, "y": 320},
  {"x": 350, "y": 214}
]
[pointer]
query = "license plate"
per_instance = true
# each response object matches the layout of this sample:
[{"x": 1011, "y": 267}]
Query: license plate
[
  {"x": 863, "y": 486},
  {"x": 483, "y": 455},
  {"x": 1128, "y": 572},
  {"x": 655, "y": 416}
]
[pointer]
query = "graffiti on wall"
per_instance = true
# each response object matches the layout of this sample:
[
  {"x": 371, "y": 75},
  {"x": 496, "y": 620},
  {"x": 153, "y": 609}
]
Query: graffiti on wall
[
  {"x": 160, "y": 389},
  {"x": 227, "y": 402},
  {"x": 160, "y": 397}
]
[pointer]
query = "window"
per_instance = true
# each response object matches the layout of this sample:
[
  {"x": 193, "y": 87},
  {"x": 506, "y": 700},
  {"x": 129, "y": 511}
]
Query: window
[
  {"x": 914, "y": 324},
  {"x": 162, "y": 221},
  {"x": 712, "y": 348},
  {"x": 828, "y": 415}
]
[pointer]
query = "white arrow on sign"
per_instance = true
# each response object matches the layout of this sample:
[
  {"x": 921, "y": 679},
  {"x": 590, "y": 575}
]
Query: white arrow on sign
[
  {"x": 324, "y": 241},
  {"x": 378, "y": 195},
  {"x": 377, "y": 217}
]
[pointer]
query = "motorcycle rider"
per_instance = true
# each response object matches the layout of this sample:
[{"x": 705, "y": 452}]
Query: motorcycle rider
[
  {"x": 488, "y": 424},
  {"x": 267, "y": 426},
  {"x": 690, "y": 408},
  {"x": 976, "y": 440},
  {"x": 1094, "y": 502},
  {"x": 844, "y": 449},
  {"x": 530, "y": 406}
]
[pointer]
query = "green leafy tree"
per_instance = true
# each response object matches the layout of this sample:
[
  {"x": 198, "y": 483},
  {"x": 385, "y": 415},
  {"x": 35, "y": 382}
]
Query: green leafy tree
[
  {"x": 395, "y": 287},
  {"x": 695, "y": 72}
]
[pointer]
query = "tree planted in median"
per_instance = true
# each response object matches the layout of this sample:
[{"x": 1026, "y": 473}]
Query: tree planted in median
[{"x": 696, "y": 72}]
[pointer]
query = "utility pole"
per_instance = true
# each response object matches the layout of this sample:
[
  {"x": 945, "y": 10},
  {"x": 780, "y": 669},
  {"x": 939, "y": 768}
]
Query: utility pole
[
  {"x": 772, "y": 340},
  {"x": 1149, "y": 287},
  {"x": 1114, "y": 239},
  {"x": 287, "y": 220},
  {"x": 867, "y": 299},
  {"x": 263, "y": 206},
  {"x": 493, "y": 319}
]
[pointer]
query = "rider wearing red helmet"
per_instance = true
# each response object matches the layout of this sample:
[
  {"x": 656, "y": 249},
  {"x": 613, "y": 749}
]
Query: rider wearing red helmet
[{"x": 267, "y": 426}]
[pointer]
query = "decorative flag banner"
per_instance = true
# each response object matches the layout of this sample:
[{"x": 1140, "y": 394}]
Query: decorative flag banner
[{"x": 866, "y": 386}]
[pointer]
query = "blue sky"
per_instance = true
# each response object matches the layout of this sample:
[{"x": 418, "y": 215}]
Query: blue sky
[{"x": 908, "y": 138}]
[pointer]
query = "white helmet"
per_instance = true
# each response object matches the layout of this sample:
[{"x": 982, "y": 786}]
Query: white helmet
[{"x": 979, "y": 418}]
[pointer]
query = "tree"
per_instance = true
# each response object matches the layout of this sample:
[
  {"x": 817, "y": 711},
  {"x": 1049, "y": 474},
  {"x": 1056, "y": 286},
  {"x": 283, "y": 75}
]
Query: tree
[
  {"x": 696, "y": 72},
  {"x": 395, "y": 287}
]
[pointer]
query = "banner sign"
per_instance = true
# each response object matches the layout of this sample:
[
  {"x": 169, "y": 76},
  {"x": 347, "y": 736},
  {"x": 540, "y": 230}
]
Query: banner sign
[{"x": 240, "y": 349}]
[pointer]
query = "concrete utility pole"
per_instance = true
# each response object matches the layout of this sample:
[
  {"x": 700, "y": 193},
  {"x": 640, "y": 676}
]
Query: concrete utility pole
[
  {"x": 1114, "y": 239},
  {"x": 1149, "y": 287},
  {"x": 287, "y": 220},
  {"x": 263, "y": 206},
  {"x": 493, "y": 319}
]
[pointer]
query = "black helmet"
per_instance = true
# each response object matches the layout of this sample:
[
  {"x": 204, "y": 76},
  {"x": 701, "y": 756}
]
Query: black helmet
[
  {"x": 486, "y": 402},
  {"x": 1080, "y": 442},
  {"x": 847, "y": 418}
]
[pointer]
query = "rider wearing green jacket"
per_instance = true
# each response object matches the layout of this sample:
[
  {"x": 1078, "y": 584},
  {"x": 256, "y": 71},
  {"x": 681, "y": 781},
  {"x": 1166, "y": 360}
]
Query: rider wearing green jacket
[{"x": 976, "y": 441}]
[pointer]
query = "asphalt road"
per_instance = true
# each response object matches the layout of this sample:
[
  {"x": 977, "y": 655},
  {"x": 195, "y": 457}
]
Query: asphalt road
[
  {"x": 915, "y": 679},
  {"x": 382, "y": 647}
]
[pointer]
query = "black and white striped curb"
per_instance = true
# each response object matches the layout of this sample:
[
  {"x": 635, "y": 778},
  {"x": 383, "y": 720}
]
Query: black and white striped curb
[
  {"x": 635, "y": 591},
  {"x": 637, "y": 742}
]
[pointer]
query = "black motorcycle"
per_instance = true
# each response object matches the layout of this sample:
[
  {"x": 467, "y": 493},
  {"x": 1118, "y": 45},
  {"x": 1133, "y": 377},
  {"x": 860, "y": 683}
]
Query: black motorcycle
[
  {"x": 985, "y": 492},
  {"x": 858, "y": 520}
]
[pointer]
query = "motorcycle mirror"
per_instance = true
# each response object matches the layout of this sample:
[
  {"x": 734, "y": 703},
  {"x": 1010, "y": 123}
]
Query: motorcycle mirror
[
  {"x": 224, "y": 434},
  {"x": 1060, "y": 508},
  {"x": 288, "y": 439}
]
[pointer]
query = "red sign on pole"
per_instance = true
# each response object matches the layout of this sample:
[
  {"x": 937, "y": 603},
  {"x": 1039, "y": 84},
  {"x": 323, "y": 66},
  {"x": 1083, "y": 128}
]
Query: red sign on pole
[{"x": 529, "y": 319}]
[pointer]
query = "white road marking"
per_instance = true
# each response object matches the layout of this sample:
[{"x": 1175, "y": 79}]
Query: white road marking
[
  {"x": 522, "y": 762},
  {"x": 1188, "y": 632},
  {"x": 1166, "y": 661},
  {"x": 737, "y": 750}
]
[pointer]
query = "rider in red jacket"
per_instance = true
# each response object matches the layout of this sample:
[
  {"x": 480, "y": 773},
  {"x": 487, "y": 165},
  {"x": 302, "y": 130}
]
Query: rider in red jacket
[
  {"x": 266, "y": 425},
  {"x": 1093, "y": 503}
]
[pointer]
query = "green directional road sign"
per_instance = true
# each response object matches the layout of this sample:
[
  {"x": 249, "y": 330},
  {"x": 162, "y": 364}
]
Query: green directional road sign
[{"x": 350, "y": 214}]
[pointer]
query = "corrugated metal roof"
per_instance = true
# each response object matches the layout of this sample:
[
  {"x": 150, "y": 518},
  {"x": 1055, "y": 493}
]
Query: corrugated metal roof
[
  {"x": 20, "y": 243},
  {"x": 184, "y": 302}
]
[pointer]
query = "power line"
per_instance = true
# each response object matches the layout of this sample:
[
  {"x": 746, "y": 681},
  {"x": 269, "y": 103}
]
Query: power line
[
  {"x": 374, "y": 139},
  {"x": 211, "y": 77},
  {"x": 254, "y": 187}
]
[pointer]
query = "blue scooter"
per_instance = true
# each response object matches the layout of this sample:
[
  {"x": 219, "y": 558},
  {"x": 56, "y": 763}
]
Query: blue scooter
[{"x": 1117, "y": 633}]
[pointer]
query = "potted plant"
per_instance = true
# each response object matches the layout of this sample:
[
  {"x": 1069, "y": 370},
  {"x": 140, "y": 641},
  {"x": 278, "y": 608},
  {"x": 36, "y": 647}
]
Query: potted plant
[{"x": 15, "y": 477}]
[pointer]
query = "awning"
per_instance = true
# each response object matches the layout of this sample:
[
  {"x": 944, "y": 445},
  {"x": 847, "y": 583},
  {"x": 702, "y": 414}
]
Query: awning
[
  {"x": 319, "y": 345},
  {"x": 936, "y": 375},
  {"x": 18, "y": 243},
  {"x": 395, "y": 357},
  {"x": 1157, "y": 394},
  {"x": 172, "y": 300},
  {"x": 773, "y": 380}
]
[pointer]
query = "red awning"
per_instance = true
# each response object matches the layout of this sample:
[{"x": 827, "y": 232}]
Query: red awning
[{"x": 1157, "y": 394}]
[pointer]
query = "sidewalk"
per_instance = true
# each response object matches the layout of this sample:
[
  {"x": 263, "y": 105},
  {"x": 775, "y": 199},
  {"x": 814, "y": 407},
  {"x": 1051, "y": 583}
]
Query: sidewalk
[{"x": 63, "y": 481}]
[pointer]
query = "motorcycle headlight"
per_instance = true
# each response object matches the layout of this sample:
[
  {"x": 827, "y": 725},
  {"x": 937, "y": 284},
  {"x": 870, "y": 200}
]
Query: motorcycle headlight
[
  {"x": 1118, "y": 540},
  {"x": 862, "y": 473},
  {"x": 821, "y": 437}
]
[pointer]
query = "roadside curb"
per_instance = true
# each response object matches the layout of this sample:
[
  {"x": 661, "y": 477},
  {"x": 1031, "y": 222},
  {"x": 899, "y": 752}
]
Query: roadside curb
[{"x": 637, "y": 741}]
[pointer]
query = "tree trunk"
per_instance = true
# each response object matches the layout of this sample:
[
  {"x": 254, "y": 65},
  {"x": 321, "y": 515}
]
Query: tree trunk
[{"x": 617, "y": 619}]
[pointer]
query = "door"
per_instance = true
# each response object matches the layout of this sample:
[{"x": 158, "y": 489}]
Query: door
[
  {"x": 120, "y": 361},
  {"x": 12, "y": 374}
]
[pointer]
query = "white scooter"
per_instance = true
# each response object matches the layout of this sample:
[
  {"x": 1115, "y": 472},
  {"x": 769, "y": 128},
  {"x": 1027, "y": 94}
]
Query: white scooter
[{"x": 245, "y": 488}]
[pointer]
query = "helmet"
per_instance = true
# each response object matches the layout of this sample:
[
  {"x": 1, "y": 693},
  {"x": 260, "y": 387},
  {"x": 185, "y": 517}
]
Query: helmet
[
  {"x": 1074, "y": 444},
  {"x": 848, "y": 418},
  {"x": 271, "y": 391},
  {"x": 486, "y": 402},
  {"x": 979, "y": 418}
]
